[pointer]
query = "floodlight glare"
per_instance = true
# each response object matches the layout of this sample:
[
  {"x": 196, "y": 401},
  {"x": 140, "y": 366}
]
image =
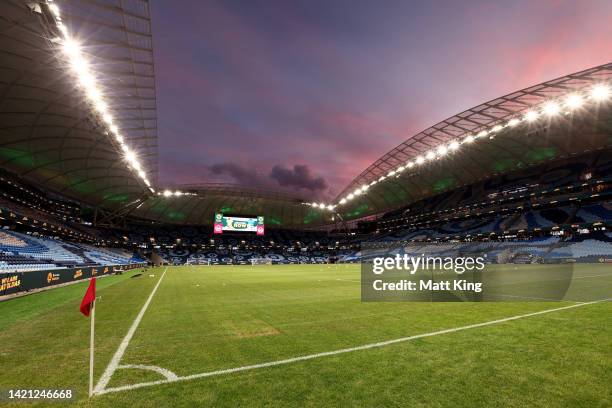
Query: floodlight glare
[
  {"x": 442, "y": 150},
  {"x": 469, "y": 139},
  {"x": 101, "y": 106},
  {"x": 72, "y": 48},
  {"x": 130, "y": 155},
  {"x": 551, "y": 108},
  {"x": 54, "y": 9},
  {"x": 167, "y": 193},
  {"x": 343, "y": 201},
  {"x": 600, "y": 92},
  {"x": 410, "y": 165},
  {"x": 482, "y": 133},
  {"x": 573, "y": 101},
  {"x": 87, "y": 80},
  {"x": 454, "y": 145},
  {"x": 497, "y": 128},
  {"x": 420, "y": 160},
  {"x": 430, "y": 155},
  {"x": 531, "y": 116},
  {"x": 513, "y": 122}
]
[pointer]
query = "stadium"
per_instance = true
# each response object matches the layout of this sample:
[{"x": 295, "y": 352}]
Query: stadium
[{"x": 225, "y": 294}]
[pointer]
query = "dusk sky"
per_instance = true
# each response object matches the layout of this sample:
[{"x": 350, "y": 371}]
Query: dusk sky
[{"x": 307, "y": 94}]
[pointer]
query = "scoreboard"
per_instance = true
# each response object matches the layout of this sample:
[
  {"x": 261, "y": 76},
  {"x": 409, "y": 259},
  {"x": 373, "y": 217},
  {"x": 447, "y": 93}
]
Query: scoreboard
[{"x": 238, "y": 224}]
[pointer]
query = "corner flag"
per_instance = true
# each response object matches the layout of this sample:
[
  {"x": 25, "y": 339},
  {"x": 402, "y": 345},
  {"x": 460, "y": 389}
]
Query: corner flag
[
  {"x": 88, "y": 304},
  {"x": 89, "y": 298}
]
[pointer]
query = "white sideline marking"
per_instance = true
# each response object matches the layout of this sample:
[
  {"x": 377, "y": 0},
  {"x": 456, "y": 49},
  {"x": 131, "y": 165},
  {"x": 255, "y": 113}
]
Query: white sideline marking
[
  {"x": 114, "y": 363},
  {"x": 341, "y": 351},
  {"x": 160, "y": 370}
]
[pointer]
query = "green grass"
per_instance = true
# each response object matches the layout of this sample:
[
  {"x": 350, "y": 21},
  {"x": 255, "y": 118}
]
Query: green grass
[{"x": 209, "y": 318}]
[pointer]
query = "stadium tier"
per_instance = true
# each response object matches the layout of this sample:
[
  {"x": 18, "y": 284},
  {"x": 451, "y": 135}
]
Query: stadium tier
[{"x": 20, "y": 252}]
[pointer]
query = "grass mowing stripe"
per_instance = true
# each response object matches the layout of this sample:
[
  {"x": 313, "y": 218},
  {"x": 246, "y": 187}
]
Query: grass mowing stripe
[
  {"x": 114, "y": 363},
  {"x": 22, "y": 308},
  {"x": 341, "y": 351}
]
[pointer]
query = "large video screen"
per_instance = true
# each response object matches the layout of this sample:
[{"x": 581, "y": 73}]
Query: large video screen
[{"x": 238, "y": 224}]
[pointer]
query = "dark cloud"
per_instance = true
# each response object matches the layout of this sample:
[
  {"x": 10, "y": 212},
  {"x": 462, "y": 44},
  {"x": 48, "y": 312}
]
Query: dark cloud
[
  {"x": 299, "y": 177},
  {"x": 238, "y": 174}
]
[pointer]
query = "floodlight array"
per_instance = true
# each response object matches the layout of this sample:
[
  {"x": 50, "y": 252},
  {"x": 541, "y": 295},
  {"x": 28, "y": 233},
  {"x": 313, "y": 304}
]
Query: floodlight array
[
  {"x": 597, "y": 93},
  {"x": 176, "y": 193},
  {"x": 86, "y": 79}
]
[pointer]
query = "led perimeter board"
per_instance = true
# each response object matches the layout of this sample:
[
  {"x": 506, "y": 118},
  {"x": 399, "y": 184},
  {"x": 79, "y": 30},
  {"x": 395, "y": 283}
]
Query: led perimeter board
[{"x": 238, "y": 224}]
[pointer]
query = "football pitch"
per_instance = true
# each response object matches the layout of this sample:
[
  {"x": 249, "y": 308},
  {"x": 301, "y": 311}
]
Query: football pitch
[{"x": 299, "y": 335}]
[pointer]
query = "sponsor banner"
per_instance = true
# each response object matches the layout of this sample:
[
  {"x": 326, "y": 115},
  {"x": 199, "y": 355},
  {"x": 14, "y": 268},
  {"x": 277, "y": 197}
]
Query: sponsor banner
[{"x": 16, "y": 282}]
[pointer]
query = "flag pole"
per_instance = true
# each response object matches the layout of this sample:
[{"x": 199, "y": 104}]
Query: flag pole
[{"x": 91, "y": 348}]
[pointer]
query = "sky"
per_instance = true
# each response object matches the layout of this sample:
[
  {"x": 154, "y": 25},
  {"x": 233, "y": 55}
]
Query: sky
[{"x": 304, "y": 95}]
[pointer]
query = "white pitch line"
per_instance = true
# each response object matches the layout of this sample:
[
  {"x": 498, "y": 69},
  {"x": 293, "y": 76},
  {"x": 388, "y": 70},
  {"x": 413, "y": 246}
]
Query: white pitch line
[
  {"x": 114, "y": 363},
  {"x": 160, "y": 370},
  {"x": 341, "y": 351}
]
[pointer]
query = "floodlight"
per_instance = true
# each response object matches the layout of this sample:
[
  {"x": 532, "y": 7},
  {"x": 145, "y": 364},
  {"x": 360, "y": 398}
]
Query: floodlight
[
  {"x": 600, "y": 92},
  {"x": 482, "y": 133},
  {"x": 167, "y": 193},
  {"x": 343, "y": 201},
  {"x": 531, "y": 116},
  {"x": 454, "y": 145},
  {"x": 469, "y": 139},
  {"x": 430, "y": 155},
  {"x": 573, "y": 101},
  {"x": 496, "y": 128},
  {"x": 130, "y": 155},
  {"x": 87, "y": 80},
  {"x": 442, "y": 150},
  {"x": 420, "y": 160},
  {"x": 513, "y": 122},
  {"x": 54, "y": 9},
  {"x": 551, "y": 108},
  {"x": 72, "y": 48}
]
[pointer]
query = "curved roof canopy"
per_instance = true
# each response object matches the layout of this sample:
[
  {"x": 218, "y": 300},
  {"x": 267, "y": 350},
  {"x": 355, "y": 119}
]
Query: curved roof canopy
[
  {"x": 49, "y": 133},
  {"x": 525, "y": 128}
]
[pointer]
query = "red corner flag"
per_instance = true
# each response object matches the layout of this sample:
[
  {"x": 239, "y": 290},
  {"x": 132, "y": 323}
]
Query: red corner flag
[{"x": 89, "y": 297}]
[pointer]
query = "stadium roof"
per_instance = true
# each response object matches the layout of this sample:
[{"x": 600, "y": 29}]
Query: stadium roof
[
  {"x": 197, "y": 204},
  {"x": 555, "y": 119},
  {"x": 50, "y": 131},
  {"x": 78, "y": 118}
]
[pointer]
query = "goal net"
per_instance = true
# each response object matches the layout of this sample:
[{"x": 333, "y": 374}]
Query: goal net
[{"x": 261, "y": 261}]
